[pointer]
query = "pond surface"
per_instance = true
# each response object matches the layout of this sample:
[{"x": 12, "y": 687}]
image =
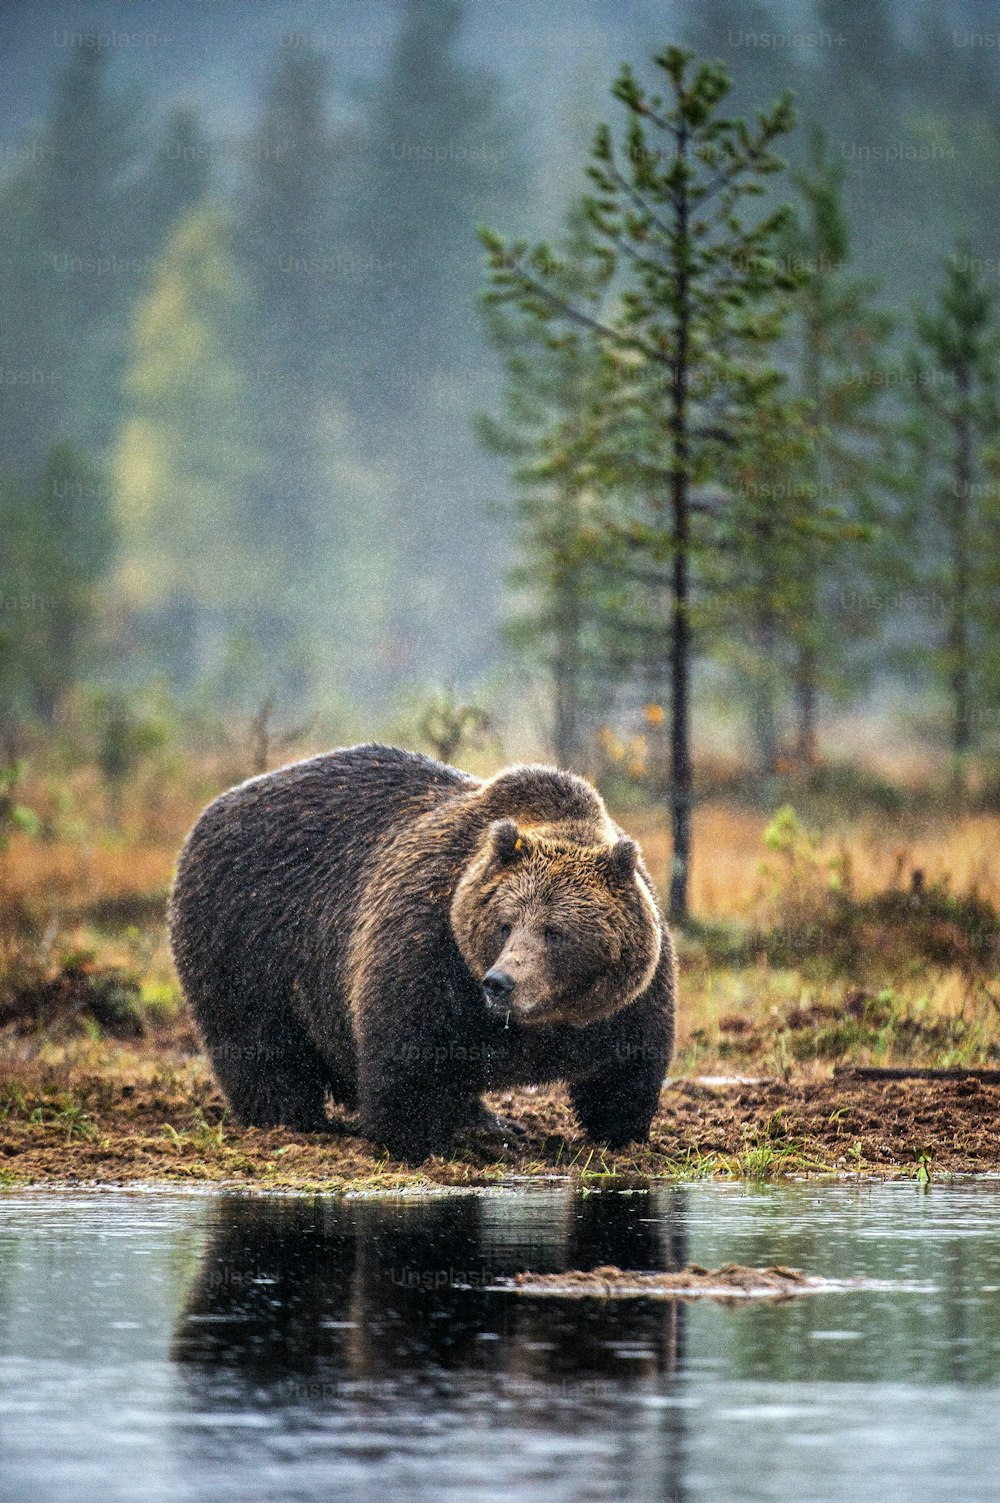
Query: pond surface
[{"x": 224, "y": 1346}]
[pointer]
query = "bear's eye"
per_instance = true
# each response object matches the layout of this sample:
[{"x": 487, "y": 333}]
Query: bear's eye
[
  {"x": 504, "y": 932},
  {"x": 553, "y": 936}
]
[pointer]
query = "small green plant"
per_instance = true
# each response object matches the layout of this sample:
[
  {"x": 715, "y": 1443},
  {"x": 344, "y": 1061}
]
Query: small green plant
[
  {"x": 141, "y": 946},
  {"x": 447, "y": 725},
  {"x": 71, "y": 1116},
  {"x": 924, "y": 1166},
  {"x": 126, "y": 735},
  {"x": 694, "y": 1165},
  {"x": 768, "y": 1152},
  {"x": 758, "y": 1161},
  {"x": 161, "y": 1002},
  {"x": 805, "y": 875},
  {"x": 13, "y": 1102},
  {"x": 77, "y": 1122},
  {"x": 14, "y": 816},
  {"x": 209, "y": 1136}
]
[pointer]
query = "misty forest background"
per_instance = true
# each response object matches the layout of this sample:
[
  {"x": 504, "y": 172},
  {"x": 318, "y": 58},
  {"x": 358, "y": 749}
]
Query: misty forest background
[{"x": 267, "y": 453}]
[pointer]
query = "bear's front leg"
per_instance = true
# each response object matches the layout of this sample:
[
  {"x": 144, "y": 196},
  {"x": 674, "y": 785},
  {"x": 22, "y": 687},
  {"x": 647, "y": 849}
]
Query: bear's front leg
[
  {"x": 419, "y": 1067},
  {"x": 611, "y": 1112},
  {"x": 615, "y": 1104},
  {"x": 413, "y": 1117}
]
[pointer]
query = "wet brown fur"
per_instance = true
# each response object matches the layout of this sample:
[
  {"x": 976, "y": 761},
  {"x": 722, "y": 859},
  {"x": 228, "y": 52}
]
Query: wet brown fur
[{"x": 331, "y": 924}]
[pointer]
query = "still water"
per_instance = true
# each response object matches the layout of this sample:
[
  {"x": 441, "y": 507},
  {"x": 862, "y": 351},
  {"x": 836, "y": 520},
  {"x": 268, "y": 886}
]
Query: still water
[{"x": 222, "y": 1346}]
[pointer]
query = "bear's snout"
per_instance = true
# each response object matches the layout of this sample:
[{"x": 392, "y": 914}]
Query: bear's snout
[{"x": 498, "y": 985}]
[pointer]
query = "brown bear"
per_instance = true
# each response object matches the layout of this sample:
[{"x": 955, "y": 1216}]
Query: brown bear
[{"x": 376, "y": 927}]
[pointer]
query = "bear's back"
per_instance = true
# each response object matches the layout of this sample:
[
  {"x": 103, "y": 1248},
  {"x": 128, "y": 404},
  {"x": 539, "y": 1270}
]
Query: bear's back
[
  {"x": 357, "y": 792},
  {"x": 269, "y": 857}
]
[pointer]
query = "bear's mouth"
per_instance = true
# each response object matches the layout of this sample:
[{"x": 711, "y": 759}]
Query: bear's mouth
[{"x": 528, "y": 1014}]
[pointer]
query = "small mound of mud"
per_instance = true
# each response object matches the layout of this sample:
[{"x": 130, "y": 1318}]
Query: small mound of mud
[{"x": 692, "y": 1282}]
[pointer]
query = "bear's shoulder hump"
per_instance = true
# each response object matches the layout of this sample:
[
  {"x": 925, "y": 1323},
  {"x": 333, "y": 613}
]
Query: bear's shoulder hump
[{"x": 545, "y": 794}]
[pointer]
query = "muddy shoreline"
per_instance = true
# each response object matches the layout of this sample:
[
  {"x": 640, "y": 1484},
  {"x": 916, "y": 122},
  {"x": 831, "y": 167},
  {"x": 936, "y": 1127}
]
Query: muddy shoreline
[{"x": 114, "y": 1120}]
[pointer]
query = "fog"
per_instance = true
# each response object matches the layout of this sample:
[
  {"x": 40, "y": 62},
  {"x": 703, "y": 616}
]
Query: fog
[{"x": 241, "y": 346}]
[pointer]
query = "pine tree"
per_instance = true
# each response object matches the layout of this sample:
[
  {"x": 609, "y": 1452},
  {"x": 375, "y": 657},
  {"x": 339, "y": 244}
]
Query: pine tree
[
  {"x": 58, "y": 546},
  {"x": 838, "y": 348},
  {"x": 192, "y": 552},
  {"x": 179, "y": 176},
  {"x": 288, "y": 259},
  {"x": 81, "y": 223},
  {"x": 951, "y": 99},
  {"x": 768, "y": 530},
  {"x": 439, "y": 156},
  {"x": 688, "y": 345},
  {"x": 439, "y": 160},
  {"x": 955, "y": 366}
]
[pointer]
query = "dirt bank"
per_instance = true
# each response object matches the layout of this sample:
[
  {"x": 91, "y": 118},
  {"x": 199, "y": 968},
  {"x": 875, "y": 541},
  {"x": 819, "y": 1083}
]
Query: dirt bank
[{"x": 114, "y": 1116}]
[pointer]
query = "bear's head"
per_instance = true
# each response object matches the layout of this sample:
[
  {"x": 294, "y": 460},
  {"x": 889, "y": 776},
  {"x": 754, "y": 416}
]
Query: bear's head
[{"x": 556, "y": 931}]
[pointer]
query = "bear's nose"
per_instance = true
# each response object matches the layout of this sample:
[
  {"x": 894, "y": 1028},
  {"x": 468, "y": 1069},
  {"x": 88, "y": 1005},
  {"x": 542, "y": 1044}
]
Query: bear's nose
[{"x": 498, "y": 986}]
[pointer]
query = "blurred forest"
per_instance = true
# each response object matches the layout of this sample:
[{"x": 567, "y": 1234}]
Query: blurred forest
[{"x": 265, "y": 454}]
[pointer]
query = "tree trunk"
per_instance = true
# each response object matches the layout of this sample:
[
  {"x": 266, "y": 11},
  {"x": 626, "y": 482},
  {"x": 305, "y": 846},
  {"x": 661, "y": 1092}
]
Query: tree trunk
[
  {"x": 958, "y": 627},
  {"x": 680, "y": 715},
  {"x": 807, "y": 667},
  {"x": 680, "y": 645},
  {"x": 762, "y": 694},
  {"x": 566, "y": 682},
  {"x": 805, "y": 706}
]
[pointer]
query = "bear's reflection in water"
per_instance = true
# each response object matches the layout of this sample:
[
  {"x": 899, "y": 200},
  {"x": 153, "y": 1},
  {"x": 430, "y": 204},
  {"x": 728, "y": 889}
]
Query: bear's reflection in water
[{"x": 301, "y": 1299}]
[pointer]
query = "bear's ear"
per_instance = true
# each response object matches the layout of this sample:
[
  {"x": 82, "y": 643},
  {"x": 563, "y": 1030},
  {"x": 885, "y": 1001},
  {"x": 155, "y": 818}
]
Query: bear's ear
[
  {"x": 619, "y": 862},
  {"x": 507, "y": 842}
]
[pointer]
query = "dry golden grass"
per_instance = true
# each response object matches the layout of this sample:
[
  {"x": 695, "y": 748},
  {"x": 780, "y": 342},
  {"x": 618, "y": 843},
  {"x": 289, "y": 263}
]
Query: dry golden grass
[
  {"x": 728, "y": 851},
  {"x": 90, "y": 861},
  {"x": 729, "y": 848},
  {"x": 78, "y": 873},
  {"x": 84, "y": 854},
  {"x": 91, "y": 858}
]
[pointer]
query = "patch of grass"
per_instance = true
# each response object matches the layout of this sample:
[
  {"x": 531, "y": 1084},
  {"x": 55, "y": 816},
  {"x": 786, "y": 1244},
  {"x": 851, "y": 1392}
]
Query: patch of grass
[
  {"x": 761, "y": 1159},
  {"x": 769, "y": 1152},
  {"x": 13, "y": 1102},
  {"x": 70, "y": 1117},
  {"x": 826, "y": 789},
  {"x": 824, "y": 976},
  {"x": 822, "y": 791},
  {"x": 695, "y": 1165},
  {"x": 817, "y": 918},
  {"x": 782, "y": 1023}
]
